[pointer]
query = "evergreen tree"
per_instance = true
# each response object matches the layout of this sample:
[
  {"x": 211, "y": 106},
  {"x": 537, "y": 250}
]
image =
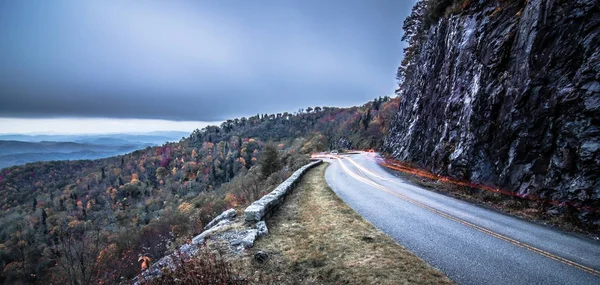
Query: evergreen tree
[{"x": 269, "y": 161}]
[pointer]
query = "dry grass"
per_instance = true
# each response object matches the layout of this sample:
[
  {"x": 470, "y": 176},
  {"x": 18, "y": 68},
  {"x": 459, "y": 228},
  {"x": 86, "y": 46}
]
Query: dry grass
[
  {"x": 315, "y": 238},
  {"x": 207, "y": 267}
]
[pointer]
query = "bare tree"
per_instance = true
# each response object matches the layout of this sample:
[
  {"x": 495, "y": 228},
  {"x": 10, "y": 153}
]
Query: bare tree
[
  {"x": 77, "y": 253},
  {"x": 251, "y": 186}
]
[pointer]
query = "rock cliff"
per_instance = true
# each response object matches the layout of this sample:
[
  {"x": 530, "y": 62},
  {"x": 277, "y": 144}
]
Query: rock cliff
[{"x": 507, "y": 93}]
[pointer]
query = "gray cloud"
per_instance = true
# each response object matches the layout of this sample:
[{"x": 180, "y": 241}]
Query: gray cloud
[{"x": 195, "y": 61}]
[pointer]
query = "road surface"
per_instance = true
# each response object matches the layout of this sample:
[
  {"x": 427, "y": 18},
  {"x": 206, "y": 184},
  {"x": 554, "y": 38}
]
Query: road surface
[{"x": 469, "y": 243}]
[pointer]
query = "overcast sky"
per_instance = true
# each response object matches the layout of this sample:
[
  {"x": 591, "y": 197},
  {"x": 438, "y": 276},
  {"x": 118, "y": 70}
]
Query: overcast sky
[{"x": 193, "y": 60}]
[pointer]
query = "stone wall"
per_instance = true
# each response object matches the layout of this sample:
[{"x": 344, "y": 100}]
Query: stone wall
[
  {"x": 227, "y": 228},
  {"x": 262, "y": 207}
]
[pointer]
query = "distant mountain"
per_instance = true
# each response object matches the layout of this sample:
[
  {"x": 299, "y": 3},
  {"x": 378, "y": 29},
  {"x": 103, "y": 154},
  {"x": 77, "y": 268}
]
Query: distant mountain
[
  {"x": 150, "y": 137},
  {"x": 23, "y": 158},
  {"x": 105, "y": 141},
  {"x": 17, "y": 149}
]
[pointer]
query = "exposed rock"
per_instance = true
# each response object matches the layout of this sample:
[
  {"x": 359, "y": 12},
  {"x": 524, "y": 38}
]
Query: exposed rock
[
  {"x": 188, "y": 249},
  {"x": 589, "y": 150},
  {"x": 237, "y": 239},
  {"x": 248, "y": 240},
  {"x": 229, "y": 214},
  {"x": 201, "y": 237},
  {"x": 228, "y": 230},
  {"x": 507, "y": 93},
  {"x": 262, "y": 229},
  {"x": 155, "y": 270}
]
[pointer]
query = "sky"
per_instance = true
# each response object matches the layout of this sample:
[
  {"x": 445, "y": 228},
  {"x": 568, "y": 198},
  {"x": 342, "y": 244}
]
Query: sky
[{"x": 185, "y": 63}]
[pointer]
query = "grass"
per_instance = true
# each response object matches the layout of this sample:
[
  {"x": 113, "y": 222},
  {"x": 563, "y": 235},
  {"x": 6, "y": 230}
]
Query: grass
[{"x": 315, "y": 238}]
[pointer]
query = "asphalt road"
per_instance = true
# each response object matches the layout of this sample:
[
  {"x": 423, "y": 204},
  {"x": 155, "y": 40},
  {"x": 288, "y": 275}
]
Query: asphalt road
[{"x": 469, "y": 243}]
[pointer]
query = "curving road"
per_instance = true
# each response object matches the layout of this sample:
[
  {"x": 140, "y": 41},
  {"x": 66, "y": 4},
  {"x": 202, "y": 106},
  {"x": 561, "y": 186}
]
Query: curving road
[{"x": 470, "y": 244}]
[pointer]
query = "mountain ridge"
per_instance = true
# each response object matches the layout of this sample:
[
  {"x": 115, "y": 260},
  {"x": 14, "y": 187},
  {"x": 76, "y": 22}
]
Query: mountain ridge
[{"x": 20, "y": 149}]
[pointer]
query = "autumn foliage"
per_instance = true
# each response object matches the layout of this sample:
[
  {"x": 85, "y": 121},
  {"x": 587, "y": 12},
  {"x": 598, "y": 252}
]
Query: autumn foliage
[{"x": 97, "y": 221}]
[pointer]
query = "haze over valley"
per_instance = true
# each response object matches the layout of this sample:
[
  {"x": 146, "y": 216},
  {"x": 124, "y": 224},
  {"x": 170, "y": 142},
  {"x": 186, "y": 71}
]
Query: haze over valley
[{"x": 17, "y": 149}]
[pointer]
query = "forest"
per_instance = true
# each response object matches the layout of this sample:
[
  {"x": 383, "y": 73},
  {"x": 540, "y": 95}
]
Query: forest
[{"x": 91, "y": 221}]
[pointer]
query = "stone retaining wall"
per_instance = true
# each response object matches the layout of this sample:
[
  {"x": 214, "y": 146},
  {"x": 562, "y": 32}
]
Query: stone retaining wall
[
  {"x": 262, "y": 207},
  {"x": 238, "y": 234}
]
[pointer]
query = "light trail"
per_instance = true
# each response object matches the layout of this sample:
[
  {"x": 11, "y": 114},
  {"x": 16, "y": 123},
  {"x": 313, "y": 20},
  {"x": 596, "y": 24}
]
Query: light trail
[
  {"x": 369, "y": 171},
  {"x": 531, "y": 248},
  {"x": 398, "y": 166}
]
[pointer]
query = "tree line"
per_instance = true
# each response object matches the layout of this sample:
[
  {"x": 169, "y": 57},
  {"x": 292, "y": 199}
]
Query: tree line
[{"x": 90, "y": 221}]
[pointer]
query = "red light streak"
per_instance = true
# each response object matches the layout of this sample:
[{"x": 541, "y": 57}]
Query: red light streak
[
  {"x": 402, "y": 167},
  {"x": 367, "y": 180}
]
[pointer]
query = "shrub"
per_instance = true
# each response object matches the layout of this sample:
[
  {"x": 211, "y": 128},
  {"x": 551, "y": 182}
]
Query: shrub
[
  {"x": 206, "y": 267},
  {"x": 269, "y": 161}
]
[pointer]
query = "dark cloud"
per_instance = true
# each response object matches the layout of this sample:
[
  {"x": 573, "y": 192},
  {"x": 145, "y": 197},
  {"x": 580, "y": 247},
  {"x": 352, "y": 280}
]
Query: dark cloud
[{"x": 195, "y": 61}]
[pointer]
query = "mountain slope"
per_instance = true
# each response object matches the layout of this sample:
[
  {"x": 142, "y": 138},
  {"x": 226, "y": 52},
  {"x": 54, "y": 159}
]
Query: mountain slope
[{"x": 100, "y": 216}]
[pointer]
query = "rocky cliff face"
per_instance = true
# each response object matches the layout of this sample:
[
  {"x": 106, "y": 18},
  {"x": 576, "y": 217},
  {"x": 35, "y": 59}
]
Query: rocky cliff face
[{"x": 507, "y": 93}]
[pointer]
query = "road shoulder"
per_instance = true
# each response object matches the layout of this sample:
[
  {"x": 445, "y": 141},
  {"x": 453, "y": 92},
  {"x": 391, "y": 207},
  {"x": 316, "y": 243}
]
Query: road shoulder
[{"x": 316, "y": 238}]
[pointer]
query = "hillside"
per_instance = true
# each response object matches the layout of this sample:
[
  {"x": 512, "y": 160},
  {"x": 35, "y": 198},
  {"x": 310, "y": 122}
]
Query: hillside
[
  {"x": 505, "y": 94},
  {"x": 100, "y": 216},
  {"x": 497, "y": 97}
]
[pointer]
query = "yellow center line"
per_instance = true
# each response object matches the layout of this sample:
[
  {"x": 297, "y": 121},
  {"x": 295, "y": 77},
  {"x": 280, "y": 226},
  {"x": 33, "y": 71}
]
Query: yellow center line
[{"x": 363, "y": 178}]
